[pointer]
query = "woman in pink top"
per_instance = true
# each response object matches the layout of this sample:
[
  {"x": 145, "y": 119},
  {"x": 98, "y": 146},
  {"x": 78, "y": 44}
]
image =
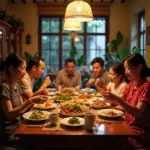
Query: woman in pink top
[{"x": 135, "y": 99}]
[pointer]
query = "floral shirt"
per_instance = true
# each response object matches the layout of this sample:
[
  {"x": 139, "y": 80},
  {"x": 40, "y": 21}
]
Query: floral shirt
[
  {"x": 14, "y": 94},
  {"x": 133, "y": 95}
]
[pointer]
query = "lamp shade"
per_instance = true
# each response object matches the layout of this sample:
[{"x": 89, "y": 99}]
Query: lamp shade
[
  {"x": 78, "y": 10},
  {"x": 72, "y": 25}
]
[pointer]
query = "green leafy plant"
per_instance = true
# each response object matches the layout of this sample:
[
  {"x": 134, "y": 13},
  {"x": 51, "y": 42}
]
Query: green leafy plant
[
  {"x": 117, "y": 54},
  {"x": 81, "y": 61},
  {"x": 15, "y": 22},
  {"x": 3, "y": 14}
]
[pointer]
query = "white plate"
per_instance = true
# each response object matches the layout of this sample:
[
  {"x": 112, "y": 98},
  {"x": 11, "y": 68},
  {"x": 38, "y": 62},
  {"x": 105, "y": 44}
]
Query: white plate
[
  {"x": 90, "y": 90},
  {"x": 27, "y": 115},
  {"x": 51, "y": 89},
  {"x": 100, "y": 107},
  {"x": 42, "y": 106},
  {"x": 118, "y": 112},
  {"x": 65, "y": 122},
  {"x": 72, "y": 115},
  {"x": 51, "y": 93}
]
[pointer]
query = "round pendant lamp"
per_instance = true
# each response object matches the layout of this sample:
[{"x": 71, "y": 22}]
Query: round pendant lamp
[
  {"x": 72, "y": 25},
  {"x": 78, "y": 10}
]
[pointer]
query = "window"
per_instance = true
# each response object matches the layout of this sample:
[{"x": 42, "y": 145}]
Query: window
[
  {"x": 1, "y": 38},
  {"x": 142, "y": 35},
  {"x": 56, "y": 43}
]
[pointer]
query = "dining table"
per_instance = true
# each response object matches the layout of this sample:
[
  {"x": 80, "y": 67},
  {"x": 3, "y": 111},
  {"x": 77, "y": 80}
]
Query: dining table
[{"x": 105, "y": 134}]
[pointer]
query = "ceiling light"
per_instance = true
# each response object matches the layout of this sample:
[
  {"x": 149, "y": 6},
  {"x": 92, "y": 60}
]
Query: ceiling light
[
  {"x": 78, "y": 10},
  {"x": 72, "y": 25}
]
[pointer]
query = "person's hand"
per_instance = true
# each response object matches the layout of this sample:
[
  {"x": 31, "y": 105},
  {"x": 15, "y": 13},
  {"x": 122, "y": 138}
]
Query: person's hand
[
  {"x": 87, "y": 90},
  {"x": 99, "y": 83},
  {"x": 47, "y": 82},
  {"x": 39, "y": 99},
  {"x": 109, "y": 96},
  {"x": 43, "y": 92},
  {"x": 92, "y": 81},
  {"x": 77, "y": 88},
  {"x": 60, "y": 87}
]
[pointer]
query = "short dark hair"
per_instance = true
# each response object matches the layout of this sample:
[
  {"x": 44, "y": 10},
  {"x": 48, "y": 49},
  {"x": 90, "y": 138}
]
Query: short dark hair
[
  {"x": 35, "y": 61},
  {"x": 136, "y": 59},
  {"x": 70, "y": 60},
  {"x": 12, "y": 60},
  {"x": 118, "y": 68},
  {"x": 98, "y": 60}
]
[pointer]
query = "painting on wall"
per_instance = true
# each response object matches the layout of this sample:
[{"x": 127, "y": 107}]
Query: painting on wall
[{"x": 148, "y": 35}]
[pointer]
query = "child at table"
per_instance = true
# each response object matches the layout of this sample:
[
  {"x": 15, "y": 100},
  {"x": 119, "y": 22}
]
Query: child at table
[
  {"x": 10, "y": 94},
  {"x": 135, "y": 99},
  {"x": 116, "y": 77}
]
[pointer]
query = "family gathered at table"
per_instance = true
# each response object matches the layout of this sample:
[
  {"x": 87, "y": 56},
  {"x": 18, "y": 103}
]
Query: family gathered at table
[{"x": 107, "y": 98}]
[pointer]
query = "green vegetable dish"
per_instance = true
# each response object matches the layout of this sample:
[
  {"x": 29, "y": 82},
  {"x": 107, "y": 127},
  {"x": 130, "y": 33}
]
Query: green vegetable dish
[
  {"x": 74, "y": 120},
  {"x": 60, "y": 98},
  {"x": 37, "y": 115}
]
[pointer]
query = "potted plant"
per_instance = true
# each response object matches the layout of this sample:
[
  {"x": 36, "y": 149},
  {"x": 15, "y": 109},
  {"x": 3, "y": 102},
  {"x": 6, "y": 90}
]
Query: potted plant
[
  {"x": 3, "y": 14},
  {"x": 81, "y": 61},
  {"x": 17, "y": 23},
  {"x": 117, "y": 54}
]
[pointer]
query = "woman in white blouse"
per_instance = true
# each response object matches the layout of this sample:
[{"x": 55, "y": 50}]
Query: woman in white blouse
[{"x": 116, "y": 76}]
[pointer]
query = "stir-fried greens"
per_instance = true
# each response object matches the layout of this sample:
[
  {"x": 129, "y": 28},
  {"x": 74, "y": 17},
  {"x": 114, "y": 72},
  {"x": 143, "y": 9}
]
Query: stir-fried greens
[
  {"x": 37, "y": 115},
  {"x": 74, "y": 120},
  {"x": 61, "y": 98}
]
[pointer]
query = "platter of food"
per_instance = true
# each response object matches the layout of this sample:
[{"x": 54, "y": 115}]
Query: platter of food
[
  {"x": 100, "y": 104},
  {"x": 36, "y": 115},
  {"x": 67, "y": 91},
  {"x": 85, "y": 101},
  {"x": 73, "y": 110},
  {"x": 85, "y": 96},
  {"x": 73, "y": 121},
  {"x": 47, "y": 105},
  {"x": 63, "y": 98},
  {"x": 110, "y": 113}
]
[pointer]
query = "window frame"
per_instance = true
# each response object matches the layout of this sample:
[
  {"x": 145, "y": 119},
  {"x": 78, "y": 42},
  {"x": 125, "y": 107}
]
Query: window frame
[
  {"x": 142, "y": 50},
  {"x": 61, "y": 34}
]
